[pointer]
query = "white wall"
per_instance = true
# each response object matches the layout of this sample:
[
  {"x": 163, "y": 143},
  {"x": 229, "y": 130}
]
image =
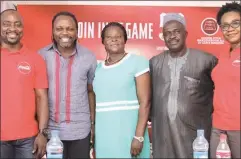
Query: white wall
[
  {"x": 132, "y": 3},
  {"x": 7, "y": 5}
]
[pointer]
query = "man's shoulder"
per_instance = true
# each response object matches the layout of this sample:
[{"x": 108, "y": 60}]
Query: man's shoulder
[
  {"x": 45, "y": 49},
  {"x": 157, "y": 57},
  {"x": 32, "y": 58},
  {"x": 85, "y": 51},
  {"x": 32, "y": 55},
  {"x": 200, "y": 54}
]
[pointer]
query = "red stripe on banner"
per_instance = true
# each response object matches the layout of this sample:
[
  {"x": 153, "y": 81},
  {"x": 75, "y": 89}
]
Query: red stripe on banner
[
  {"x": 57, "y": 72},
  {"x": 68, "y": 89}
]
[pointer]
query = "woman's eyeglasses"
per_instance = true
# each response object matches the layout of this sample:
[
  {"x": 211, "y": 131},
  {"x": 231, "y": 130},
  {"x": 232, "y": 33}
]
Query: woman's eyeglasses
[{"x": 235, "y": 24}]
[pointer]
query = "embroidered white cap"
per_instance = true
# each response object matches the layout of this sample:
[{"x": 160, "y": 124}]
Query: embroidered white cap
[{"x": 174, "y": 17}]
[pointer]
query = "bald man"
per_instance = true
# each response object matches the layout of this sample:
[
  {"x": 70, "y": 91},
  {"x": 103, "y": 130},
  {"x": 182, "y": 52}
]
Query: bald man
[
  {"x": 182, "y": 92},
  {"x": 23, "y": 93}
]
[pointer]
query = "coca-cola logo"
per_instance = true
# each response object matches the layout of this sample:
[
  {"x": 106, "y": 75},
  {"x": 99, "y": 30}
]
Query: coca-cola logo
[
  {"x": 236, "y": 62},
  {"x": 223, "y": 154},
  {"x": 24, "y": 68}
]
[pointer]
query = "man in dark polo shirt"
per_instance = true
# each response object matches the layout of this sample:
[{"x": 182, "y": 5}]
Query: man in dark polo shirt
[
  {"x": 71, "y": 69},
  {"x": 23, "y": 83}
]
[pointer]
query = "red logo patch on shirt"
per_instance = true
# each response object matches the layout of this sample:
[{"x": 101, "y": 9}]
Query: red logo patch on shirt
[{"x": 24, "y": 67}]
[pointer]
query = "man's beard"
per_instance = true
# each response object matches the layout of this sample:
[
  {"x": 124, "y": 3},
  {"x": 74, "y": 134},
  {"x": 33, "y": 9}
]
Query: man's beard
[
  {"x": 63, "y": 45},
  {"x": 67, "y": 45},
  {"x": 6, "y": 41}
]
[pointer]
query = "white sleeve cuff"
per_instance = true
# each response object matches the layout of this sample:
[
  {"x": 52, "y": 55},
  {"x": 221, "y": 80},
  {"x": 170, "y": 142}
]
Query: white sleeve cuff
[{"x": 142, "y": 72}]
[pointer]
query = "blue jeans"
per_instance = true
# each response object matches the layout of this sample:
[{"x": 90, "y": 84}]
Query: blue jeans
[{"x": 21, "y": 148}]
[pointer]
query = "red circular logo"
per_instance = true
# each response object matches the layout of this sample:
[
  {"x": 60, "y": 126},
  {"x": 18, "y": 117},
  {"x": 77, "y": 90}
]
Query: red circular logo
[
  {"x": 209, "y": 26},
  {"x": 24, "y": 67}
]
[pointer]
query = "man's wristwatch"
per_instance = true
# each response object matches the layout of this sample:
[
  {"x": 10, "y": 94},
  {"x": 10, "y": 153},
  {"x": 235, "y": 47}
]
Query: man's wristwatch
[
  {"x": 140, "y": 139},
  {"x": 44, "y": 132},
  {"x": 92, "y": 123}
]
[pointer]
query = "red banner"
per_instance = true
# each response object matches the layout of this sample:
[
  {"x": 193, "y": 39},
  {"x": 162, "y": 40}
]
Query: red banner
[{"x": 143, "y": 24}]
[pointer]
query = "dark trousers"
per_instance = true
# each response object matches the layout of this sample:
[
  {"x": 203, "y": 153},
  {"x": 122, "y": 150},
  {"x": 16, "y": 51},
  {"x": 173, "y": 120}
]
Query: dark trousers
[
  {"x": 77, "y": 148},
  {"x": 233, "y": 140},
  {"x": 21, "y": 148}
]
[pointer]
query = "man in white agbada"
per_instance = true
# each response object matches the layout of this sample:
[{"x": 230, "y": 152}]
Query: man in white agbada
[{"x": 182, "y": 92}]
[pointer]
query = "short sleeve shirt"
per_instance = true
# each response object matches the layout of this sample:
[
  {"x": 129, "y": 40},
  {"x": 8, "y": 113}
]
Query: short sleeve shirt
[
  {"x": 117, "y": 106},
  {"x": 21, "y": 73},
  {"x": 226, "y": 77},
  {"x": 68, "y": 94}
]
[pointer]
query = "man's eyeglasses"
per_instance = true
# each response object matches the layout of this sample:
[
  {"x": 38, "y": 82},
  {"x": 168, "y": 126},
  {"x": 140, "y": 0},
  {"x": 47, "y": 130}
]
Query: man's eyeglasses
[{"x": 235, "y": 24}]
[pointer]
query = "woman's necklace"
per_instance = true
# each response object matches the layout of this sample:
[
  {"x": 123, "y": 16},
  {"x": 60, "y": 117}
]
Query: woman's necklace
[{"x": 113, "y": 62}]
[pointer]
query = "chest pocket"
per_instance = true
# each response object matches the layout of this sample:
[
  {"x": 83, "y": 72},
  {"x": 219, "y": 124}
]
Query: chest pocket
[{"x": 191, "y": 83}]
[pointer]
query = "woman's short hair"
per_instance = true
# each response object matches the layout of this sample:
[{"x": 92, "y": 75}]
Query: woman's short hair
[
  {"x": 228, "y": 7},
  {"x": 113, "y": 24}
]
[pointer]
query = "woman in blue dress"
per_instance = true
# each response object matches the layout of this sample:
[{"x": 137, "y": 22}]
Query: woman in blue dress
[{"x": 122, "y": 87}]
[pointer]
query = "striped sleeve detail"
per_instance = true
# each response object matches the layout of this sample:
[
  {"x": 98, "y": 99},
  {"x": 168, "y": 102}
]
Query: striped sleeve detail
[
  {"x": 142, "y": 72},
  {"x": 117, "y": 105}
]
